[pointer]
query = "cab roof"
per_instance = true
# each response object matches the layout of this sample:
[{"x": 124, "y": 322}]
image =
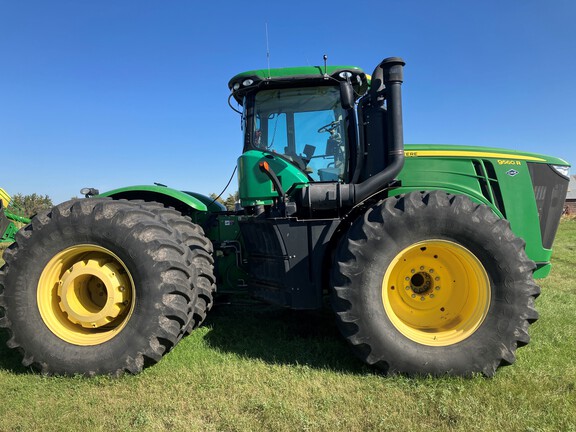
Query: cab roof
[{"x": 248, "y": 81}]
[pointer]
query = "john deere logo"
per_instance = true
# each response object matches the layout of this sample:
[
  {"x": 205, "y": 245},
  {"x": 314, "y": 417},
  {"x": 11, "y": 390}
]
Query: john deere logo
[{"x": 512, "y": 172}]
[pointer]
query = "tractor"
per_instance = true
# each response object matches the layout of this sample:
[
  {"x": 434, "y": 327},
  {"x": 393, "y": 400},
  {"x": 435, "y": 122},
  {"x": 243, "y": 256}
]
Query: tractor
[{"x": 426, "y": 253}]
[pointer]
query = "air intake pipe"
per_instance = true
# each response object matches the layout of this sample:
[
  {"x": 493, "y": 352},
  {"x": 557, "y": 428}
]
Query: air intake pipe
[{"x": 385, "y": 85}]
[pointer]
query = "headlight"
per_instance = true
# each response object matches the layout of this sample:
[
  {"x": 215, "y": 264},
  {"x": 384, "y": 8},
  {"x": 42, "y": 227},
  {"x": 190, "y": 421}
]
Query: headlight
[
  {"x": 563, "y": 170},
  {"x": 88, "y": 192}
]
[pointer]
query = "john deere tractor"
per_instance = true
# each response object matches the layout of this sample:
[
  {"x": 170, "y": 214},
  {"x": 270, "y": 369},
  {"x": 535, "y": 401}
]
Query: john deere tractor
[{"x": 427, "y": 253}]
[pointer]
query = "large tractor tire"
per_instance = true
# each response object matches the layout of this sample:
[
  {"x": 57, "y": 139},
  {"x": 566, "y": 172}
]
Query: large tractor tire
[
  {"x": 431, "y": 284},
  {"x": 193, "y": 236},
  {"x": 97, "y": 286}
]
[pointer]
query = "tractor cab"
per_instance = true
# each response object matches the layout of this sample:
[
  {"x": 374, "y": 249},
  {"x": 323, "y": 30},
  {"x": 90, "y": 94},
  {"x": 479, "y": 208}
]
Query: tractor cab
[
  {"x": 305, "y": 126},
  {"x": 294, "y": 120}
]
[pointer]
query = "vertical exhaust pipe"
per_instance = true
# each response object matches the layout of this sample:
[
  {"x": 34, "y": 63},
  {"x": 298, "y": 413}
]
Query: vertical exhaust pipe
[
  {"x": 386, "y": 83},
  {"x": 386, "y": 86}
]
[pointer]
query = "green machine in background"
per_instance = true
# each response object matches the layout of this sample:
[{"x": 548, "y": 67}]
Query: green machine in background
[
  {"x": 8, "y": 219},
  {"x": 427, "y": 253}
]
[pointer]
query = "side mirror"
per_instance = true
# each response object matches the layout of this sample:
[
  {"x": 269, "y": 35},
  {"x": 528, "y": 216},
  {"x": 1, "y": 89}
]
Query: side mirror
[
  {"x": 346, "y": 95},
  {"x": 309, "y": 151}
]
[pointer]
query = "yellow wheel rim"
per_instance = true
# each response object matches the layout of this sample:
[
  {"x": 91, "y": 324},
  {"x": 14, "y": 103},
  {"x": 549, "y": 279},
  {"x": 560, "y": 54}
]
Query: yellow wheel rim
[
  {"x": 85, "y": 295},
  {"x": 436, "y": 292}
]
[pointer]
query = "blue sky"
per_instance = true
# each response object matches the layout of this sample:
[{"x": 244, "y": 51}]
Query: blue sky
[{"x": 106, "y": 93}]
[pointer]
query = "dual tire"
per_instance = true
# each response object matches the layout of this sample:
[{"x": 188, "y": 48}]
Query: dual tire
[{"x": 99, "y": 286}]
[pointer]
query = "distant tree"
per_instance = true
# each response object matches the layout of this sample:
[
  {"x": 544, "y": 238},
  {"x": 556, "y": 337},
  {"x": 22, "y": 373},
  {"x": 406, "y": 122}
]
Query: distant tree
[
  {"x": 230, "y": 202},
  {"x": 29, "y": 205},
  {"x": 216, "y": 198}
]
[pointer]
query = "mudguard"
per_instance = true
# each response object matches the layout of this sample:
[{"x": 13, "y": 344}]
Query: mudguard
[{"x": 183, "y": 201}]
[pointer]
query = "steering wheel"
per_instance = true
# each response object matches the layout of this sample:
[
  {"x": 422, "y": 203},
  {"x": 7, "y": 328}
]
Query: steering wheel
[{"x": 329, "y": 127}]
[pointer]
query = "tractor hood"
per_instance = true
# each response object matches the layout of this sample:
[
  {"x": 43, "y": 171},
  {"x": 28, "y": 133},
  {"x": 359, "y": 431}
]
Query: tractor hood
[{"x": 458, "y": 151}]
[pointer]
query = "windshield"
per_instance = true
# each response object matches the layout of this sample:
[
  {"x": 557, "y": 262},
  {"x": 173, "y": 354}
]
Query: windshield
[{"x": 305, "y": 126}]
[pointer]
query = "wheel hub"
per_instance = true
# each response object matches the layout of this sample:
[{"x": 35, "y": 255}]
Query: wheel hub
[
  {"x": 421, "y": 282},
  {"x": 86, "y": 295},
  {"x": 92, "y": 293},
  {"x": 436, "y": 292}
]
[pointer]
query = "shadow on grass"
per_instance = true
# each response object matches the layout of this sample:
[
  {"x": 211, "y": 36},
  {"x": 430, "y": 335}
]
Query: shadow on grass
[
  {"x": 255, "y": 330},
  {"x": 281, "y": 336},
  {"x": 10, "y": 360}
]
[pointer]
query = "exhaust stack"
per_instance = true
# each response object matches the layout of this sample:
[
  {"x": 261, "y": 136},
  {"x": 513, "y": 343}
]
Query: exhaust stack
[{"x": 385, "y": 86}]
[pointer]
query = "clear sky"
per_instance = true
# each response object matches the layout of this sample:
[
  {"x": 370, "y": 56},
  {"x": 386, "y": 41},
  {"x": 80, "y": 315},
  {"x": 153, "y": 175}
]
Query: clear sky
[{"x": 111, "y": 93}]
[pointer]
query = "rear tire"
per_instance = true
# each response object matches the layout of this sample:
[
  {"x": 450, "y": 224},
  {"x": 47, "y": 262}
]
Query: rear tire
[
  {"x": 193, "y": 236},
  {"x": 432, "y": 283},
  {"x": 96, "y": 286}
]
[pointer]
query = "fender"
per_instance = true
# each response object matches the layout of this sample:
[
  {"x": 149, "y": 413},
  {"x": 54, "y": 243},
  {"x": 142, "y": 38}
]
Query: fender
[
  {"x": 185, "y": 202},
  {"x": 534, "y": 248},
  {"x": 452, "y": 189}
]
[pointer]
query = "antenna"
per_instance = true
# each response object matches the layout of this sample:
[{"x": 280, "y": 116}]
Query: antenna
[
  {"x": 267, "y": 50},
  {"x": 325, "y": 67}
]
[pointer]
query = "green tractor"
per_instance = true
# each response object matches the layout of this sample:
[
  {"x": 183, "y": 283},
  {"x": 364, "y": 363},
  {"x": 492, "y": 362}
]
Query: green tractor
[{"x": 427, "y": 253}]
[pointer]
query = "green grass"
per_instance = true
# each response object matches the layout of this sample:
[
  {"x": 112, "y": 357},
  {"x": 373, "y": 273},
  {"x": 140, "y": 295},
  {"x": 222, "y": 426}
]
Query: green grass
[{"x": 256, "y": 368}]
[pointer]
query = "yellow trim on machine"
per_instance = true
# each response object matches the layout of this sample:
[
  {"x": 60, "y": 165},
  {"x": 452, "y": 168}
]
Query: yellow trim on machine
[
  {"x": 4, "y": 197},
  {"x": 472, "y": 154}
]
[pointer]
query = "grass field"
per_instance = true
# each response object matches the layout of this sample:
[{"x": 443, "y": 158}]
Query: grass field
[{"x": 256, "y": 368}]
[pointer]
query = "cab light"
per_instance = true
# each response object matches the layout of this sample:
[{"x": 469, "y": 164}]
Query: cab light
[{"x": 563, "y": 170}]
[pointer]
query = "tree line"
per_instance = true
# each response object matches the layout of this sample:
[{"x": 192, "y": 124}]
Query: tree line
[
  {"x": 229, "y": 203},
  {"x": 29, "y": 205}
]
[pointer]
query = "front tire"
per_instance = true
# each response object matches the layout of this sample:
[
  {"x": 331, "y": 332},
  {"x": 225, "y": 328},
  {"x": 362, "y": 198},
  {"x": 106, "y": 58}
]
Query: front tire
[
  {"x": 96, "y": 286},
  {"x": 432, "y": 283}
]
